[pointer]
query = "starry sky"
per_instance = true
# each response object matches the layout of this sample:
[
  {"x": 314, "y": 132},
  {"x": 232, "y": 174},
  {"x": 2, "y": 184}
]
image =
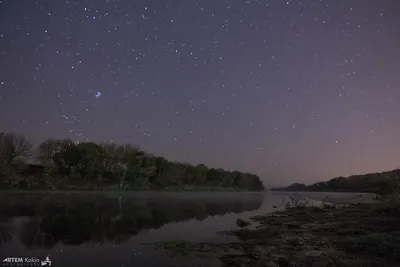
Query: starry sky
[{"x": 289, "y": 90}]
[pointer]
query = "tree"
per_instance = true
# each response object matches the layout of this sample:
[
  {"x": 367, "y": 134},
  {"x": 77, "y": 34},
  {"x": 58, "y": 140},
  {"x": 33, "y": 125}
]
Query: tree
[
  {"x": 47, "y": 151},
  {"x": 91, "y": 158},
  {"x": 110, "y": 157},
  {"x": 14, "y": 148},
  {"x": 173, "y": 174},
  {"x": 67, "y": 157},
  {"x": 129, "y": 160},
  {"x": 124, "y": 164}
]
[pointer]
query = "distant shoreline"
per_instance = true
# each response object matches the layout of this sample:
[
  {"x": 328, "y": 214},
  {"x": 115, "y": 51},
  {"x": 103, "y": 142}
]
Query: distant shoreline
[
  {"x": 382, "y": 183},
  {"x": 316, "y": 191}
]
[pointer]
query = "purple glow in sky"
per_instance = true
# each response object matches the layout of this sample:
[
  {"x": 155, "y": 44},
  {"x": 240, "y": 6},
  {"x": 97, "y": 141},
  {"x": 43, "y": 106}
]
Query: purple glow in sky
[{"x": 289, "y": 90}]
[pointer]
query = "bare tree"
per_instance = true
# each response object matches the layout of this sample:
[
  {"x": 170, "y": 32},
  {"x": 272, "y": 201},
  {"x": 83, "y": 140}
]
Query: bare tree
[
  {"x": 109, "y": 157},
  {"x": 14, "y": 147},
  {"x": 2, "y": 146},
  {"x": 2, "y": 153},
  {"x": 47, "y": 150}
]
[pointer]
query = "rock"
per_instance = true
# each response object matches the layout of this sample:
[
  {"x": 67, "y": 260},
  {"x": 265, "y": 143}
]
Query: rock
[
  {"x": 242, "y": 223},
  {"x": 274, "y": 206}
]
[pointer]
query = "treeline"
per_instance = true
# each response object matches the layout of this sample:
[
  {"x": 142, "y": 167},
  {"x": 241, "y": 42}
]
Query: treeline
[
  {"x": 378, "y": 183},
  {"x": 65, "y": 164}
]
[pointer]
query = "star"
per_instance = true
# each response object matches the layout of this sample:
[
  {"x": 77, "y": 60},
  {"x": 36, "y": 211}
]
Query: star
[{"x": 216, "y": 78}]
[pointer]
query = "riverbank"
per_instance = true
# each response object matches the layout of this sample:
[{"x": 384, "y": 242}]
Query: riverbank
[
  {"x": 351, "y": 235},
  {"x": 117, "y": 189},
  {"x": 39, "y": 181},
  {"x": 379, "y": 183}
]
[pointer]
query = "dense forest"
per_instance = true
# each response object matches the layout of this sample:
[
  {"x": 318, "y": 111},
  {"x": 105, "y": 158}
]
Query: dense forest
[
  {"x": 68, "y": 165},
  {"x": 379, "y": 183}
]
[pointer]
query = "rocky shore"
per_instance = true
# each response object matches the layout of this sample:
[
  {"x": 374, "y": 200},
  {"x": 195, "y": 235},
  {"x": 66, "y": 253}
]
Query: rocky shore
[{"x": 308, "y": 236}]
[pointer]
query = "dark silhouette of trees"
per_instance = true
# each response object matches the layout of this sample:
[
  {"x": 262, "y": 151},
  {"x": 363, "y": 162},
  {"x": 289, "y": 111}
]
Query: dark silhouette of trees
[
  {"x": 47, "y": 151},
  {"x": 14, "y": 148},
  {"x": 379, "y": 183},
  {"x": 65, "y": 163},
  {"x": 14, "y": 151}
]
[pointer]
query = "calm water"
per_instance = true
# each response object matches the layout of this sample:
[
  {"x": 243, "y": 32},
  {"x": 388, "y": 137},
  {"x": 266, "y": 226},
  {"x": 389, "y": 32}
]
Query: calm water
[{"x": 109, "y": 229}]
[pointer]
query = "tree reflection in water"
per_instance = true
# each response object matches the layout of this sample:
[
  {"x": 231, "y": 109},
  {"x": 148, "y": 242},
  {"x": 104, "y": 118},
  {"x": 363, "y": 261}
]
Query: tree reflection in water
[
  {"x": 5, "y": 235},
  {"x": 77, "y": 218}
]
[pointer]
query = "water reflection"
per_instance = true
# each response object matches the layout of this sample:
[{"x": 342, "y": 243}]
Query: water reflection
[
  {"x": 5, "y": 235},
  {"x": 45, "y": 220}
]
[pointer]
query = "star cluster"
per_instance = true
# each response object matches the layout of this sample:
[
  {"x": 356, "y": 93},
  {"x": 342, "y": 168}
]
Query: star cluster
[{"x": 289, "y": 90}]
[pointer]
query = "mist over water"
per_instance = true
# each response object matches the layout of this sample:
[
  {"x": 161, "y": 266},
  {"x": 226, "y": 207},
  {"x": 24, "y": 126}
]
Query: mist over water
[{"x": 109, "y": 229}]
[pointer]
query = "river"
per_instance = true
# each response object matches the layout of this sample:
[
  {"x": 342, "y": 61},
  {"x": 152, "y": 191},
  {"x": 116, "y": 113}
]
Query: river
[{"x": 109, "y": 229}]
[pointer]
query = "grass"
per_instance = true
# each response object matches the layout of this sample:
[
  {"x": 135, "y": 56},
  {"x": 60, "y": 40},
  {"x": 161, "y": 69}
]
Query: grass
[{"x": 175, "y": 247}]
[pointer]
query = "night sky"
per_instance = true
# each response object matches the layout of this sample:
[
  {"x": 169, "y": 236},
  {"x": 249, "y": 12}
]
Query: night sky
[{"x": 289, "y": 90}]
